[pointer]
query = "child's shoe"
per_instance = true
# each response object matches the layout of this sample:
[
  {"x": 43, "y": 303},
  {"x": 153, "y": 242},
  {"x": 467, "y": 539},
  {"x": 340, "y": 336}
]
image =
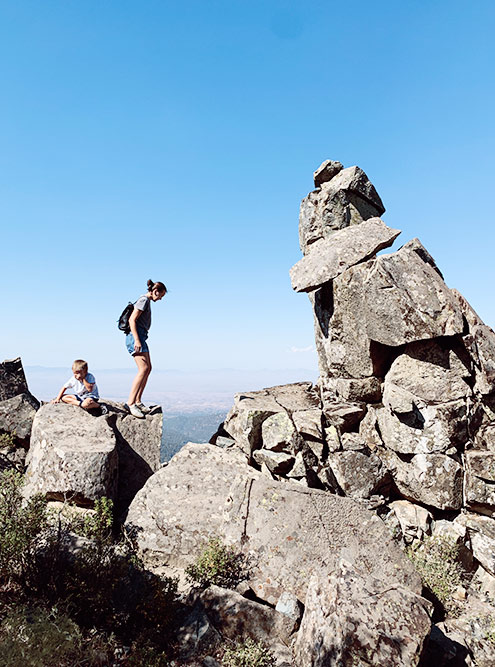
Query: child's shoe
[
  {"x": 144, "y": 408},
  {"x": 104, "y": 409}
]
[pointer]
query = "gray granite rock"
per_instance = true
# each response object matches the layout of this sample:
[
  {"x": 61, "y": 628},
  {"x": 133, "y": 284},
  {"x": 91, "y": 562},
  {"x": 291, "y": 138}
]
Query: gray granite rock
[
  {"x": 278, "y": 463},
  {"x": 288, "y": 530},
  {"x": 329, "y": 257},
  {"x": 430, "y": 479},
  {"x": 17, "y": 414},
  {"x": 351, "y": 618},
  {"x": 73, "y": 455},
  {"x": 347, "y": 199},
  {"x": 359, "y": 475},
  {"x": 245, "y": 419},
  {"x": 234, "y": 616},
  {"x": 326, "y": 171},
  {"x": 414, "y": 520},
  {"x": 12, "y": 379}
]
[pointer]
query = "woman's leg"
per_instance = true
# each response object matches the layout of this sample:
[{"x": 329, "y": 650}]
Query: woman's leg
[
  {"x": 144, "y": 380},
  {"x": 142, "y": 363}
]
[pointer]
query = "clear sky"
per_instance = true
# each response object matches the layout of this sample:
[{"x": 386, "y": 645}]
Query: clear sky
[{"x": 174, "y": 141}]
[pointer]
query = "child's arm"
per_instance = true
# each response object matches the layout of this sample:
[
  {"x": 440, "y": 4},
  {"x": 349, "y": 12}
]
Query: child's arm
[
  {"x": 58, "y": 397},
  {"x": 89, "y": 385}
]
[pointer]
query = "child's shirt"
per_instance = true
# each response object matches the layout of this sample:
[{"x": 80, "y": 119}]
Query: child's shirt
[{"x": 78, "y": 387}]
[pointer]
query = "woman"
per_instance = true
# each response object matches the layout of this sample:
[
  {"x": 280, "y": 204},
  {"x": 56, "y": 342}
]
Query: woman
[{"x": 139, "y": 323}]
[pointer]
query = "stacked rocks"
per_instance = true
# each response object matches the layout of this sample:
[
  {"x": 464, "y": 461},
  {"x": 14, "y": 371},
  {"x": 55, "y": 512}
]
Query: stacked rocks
[{"x": 403, "y": 416}]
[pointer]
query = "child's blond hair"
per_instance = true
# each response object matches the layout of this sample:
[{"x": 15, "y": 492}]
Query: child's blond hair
[{"x": 80, "y": 365}]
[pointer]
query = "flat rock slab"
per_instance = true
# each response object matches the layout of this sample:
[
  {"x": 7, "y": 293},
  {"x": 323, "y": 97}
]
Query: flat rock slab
[
  {"x": 288, "y": 531},
  {"x": 72, "y": 455},
  {"x": 329, "y": 257},
  {"x": 351, "y": 618}
]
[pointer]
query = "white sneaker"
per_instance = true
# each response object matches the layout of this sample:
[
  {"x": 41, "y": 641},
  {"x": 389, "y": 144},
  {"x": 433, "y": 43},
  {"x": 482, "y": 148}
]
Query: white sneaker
[
  {"x": 144, "y": 408},
  {"x": 135, "y": 411}
]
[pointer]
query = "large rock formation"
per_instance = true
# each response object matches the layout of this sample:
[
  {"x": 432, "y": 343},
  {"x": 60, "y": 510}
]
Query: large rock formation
[{"x": 77, "y": 456}]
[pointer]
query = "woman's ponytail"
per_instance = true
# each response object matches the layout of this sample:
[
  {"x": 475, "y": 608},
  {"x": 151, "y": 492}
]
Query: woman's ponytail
[{"x": 158, "y": 285}]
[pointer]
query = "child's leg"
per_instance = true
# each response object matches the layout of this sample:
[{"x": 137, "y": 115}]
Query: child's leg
[
  {"x": 89, "y": 404},
  {"x": 71, "y": 399}
]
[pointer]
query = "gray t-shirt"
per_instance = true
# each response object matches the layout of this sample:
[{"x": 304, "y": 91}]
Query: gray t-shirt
[{"x": 144, "y": 320}]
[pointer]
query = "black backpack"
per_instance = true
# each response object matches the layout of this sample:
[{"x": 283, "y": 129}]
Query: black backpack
[{"x": 123, "y": 321}]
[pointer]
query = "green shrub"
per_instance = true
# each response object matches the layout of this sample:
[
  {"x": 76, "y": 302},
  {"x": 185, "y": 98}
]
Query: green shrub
[
  {"x": 217, "y": 564},
  {"x": 98, "y": 525},
  {"x": 247, "y": 654},
  {"x": 436, "y": 561},
  {"x": 22, "y": 527},
  {"x": 35, "y": 637}
]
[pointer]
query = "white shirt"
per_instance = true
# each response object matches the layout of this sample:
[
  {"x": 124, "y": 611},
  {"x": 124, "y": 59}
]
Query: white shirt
[{"x": 78, "y": 387}]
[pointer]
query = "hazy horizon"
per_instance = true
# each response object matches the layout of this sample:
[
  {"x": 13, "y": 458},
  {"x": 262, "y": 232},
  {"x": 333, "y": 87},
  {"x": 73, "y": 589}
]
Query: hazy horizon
[{"x": 177, "y": 391}]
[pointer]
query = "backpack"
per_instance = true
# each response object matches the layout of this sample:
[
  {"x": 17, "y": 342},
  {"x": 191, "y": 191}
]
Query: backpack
[{"x": 123, "y": 321}]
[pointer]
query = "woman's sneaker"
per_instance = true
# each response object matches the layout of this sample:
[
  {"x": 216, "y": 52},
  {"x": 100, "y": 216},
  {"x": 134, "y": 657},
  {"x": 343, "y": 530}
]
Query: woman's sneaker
[
  {"x": 144, "y": 408},
  {"x": 134, "y": 410}
]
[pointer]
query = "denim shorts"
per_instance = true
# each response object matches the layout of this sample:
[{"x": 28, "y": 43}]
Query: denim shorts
[
  {"x": 129, "y": 341},
  {"x": 93, "y": 397}
]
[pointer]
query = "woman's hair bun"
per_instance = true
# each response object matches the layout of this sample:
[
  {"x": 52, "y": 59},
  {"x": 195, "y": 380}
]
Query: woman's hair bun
[{"x": 158, "y": 285}]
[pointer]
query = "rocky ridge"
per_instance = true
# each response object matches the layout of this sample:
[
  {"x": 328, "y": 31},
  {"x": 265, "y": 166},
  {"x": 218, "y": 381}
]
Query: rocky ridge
[{"x": 320, "y": 488}]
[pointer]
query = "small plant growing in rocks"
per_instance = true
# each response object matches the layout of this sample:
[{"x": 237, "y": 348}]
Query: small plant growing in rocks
[
  {"x": 247, "y": 654},
  {"x": 7, "y": 440},
  {"x": 217, "y": 564},
  {"x": 436, "y": 561}
]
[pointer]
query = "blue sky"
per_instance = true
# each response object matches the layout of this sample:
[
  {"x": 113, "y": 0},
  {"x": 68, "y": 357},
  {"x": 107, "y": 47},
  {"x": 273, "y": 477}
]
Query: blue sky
[{"x": 175, "y": 141}]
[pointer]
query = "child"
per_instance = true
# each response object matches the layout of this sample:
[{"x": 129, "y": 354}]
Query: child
[{"x": 83, "y": 384}]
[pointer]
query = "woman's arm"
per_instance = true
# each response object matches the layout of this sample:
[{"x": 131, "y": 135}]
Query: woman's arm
[{"x": 135, "y": 315}]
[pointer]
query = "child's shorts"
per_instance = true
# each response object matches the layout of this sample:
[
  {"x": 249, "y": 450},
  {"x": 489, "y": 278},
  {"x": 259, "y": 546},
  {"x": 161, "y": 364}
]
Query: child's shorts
[
  {"x": 93, "y": 397},
  {"x": 129, "y": 341}
]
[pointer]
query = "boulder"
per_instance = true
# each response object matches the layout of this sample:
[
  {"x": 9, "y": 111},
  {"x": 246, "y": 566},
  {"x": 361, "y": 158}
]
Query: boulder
[
  {"x": 278, "y": 463},
  {"x": 12, "y": 379},
  {"x": 17, "y": 405},
  {"x": 480, "y": 344},
  {"x": 481, "y": 532},
  {"x": 352, "y": 390},
  {"x": 347, "y": 199},
  {"x": 358, "y": 475},
  {"x": 424, "y": 428},
  {"x": 138, "y": 447},
  {"x": 17, "y": 414},
  {"x": 479, "y": 487},
  {"x": 308, "y": 424},
  {"x": 431, "y": 371},
  {"x": 352, "y": 618},
  {"x": 73, "y": 455},
  {"x": 182, "y": 505},
  {"x": 289, "y": 531},
  {"x": 326, "y": 171},
  {"x": 430, "y": 479},
  {"x": 473, "y": 629},
  {"x": 279, "y": 433},
  {"x": 414, "y": 520},
  {"x": 234, "y": 616},
  {"x": 329, "y": 257},
  {"x": 398, "y": 299},
  {"x": 245, "y": 419}
]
